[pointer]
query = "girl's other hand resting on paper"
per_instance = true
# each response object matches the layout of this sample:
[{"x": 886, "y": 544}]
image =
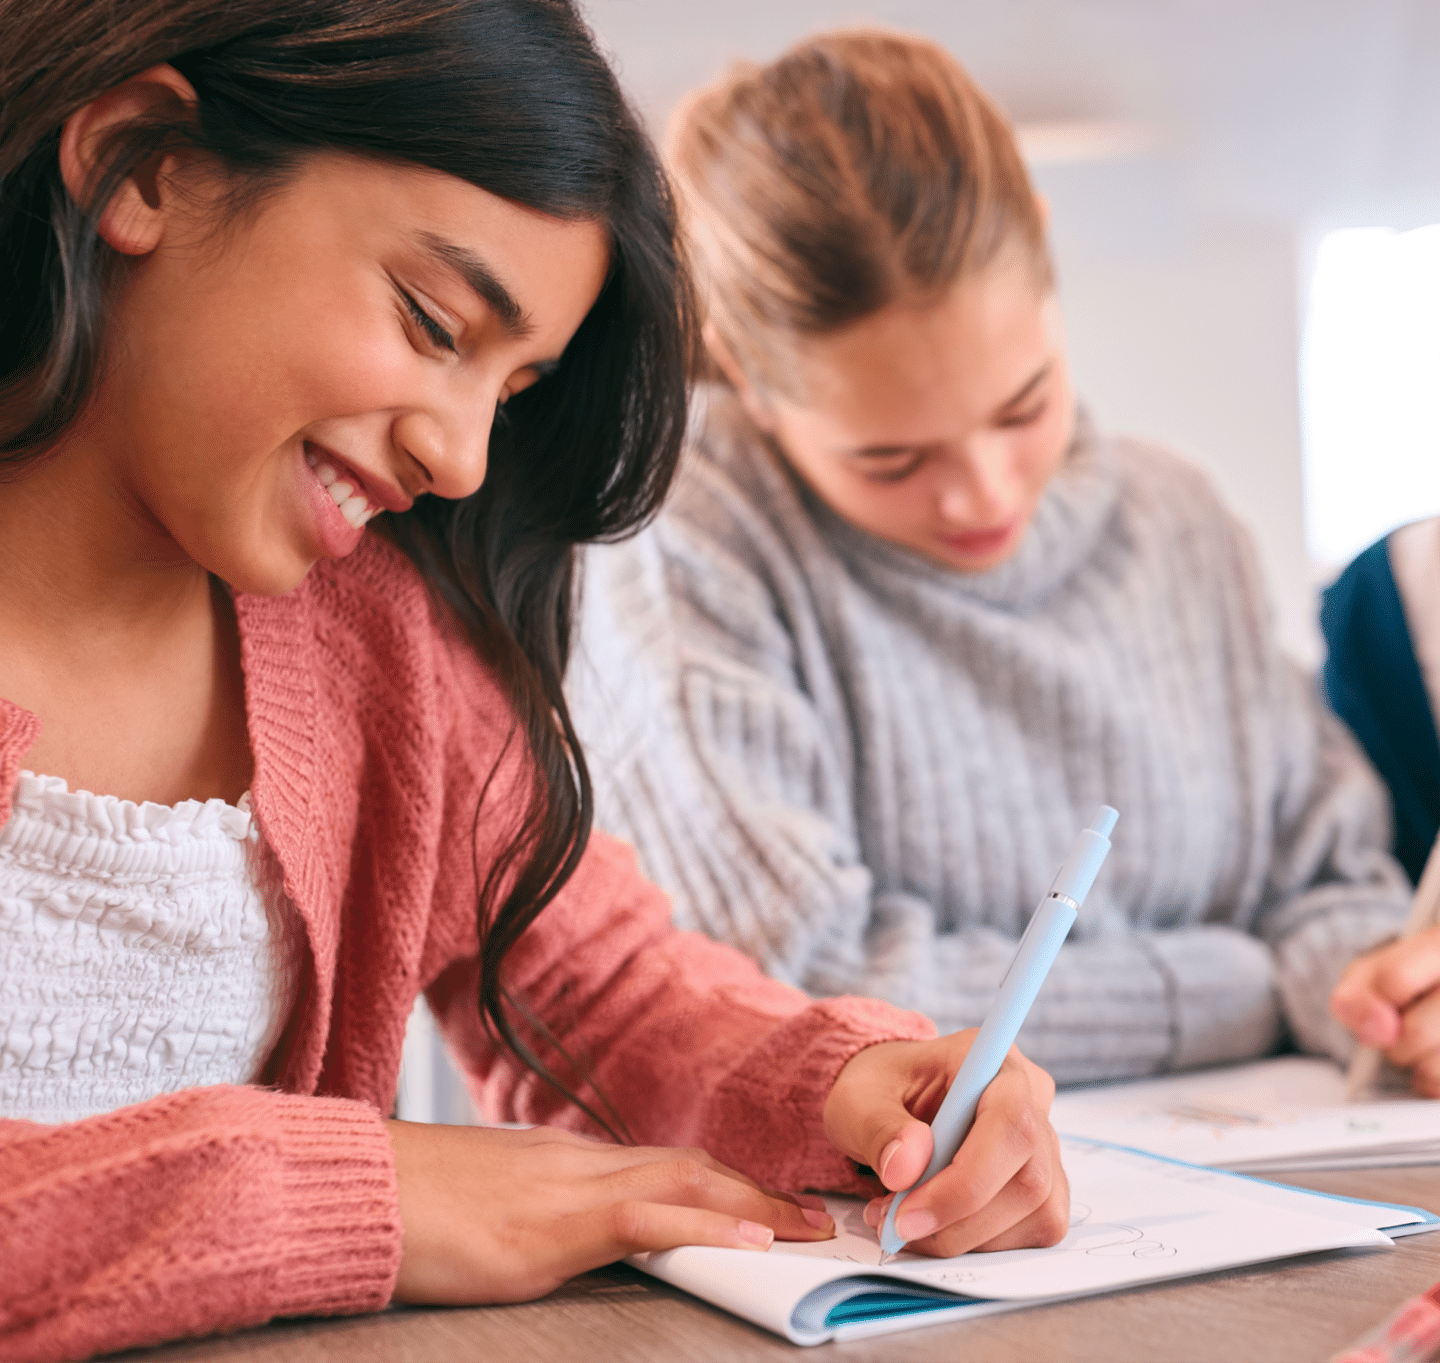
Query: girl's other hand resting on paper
[
  {"x": 1389, "y": 1000},
  {"x": 1005, "y": 1189},
  {"x": 494, "y": 1216}
]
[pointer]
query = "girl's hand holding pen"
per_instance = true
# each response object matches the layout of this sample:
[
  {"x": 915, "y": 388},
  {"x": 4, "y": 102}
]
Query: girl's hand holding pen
[
  {"x": 496, "y": 1215},
  {"x": 1389, "y": 999},
  {"x": 1005, "y": 1189}
]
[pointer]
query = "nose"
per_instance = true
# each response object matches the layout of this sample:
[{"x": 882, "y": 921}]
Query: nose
[
  {"x": 448, "y": 452},
  {"x": 980, "y": 487}
]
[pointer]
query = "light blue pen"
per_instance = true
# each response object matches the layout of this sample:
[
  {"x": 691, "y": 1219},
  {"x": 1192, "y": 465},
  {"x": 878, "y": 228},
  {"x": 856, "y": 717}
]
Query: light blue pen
[{"x": 1031, "y": 964}]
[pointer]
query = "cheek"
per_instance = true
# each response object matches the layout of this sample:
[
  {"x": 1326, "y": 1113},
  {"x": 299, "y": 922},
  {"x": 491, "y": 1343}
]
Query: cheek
[
  {"x": 891, "y": 510},
  {"x": 1044, "y": 448},
  {"x": 249, "y": 389}
]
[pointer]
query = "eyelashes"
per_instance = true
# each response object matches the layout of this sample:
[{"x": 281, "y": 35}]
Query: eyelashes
[
  {"x": 428, "y": 324},
  {"x": 897, "y": 474},
  {"x": 1028, "y": 417}
]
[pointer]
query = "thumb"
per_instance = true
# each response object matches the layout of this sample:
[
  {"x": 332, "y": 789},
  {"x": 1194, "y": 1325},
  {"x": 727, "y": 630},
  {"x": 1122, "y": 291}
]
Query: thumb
[
  {"x": 1357, "y": 1004},
  {"x": 901, "y": 1150},
  {"x": 866, "y": 1114},
  {"x": 1372, "y": 1021}
]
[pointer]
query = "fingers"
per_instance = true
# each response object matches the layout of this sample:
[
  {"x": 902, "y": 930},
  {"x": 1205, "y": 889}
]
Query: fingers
[
  {"x": 635, "y": 1227},
  {"x": 1419, "y": 1037},
  {"x": 1007, "y": 1170},
  {"x": 1031, "y": 1211},
  {"x": 1356, "y": 1003},
  {"x": 1425, "y": 1076},
  {"x": 1379, "y": 986},
  {"x": 693, "y": 1179},
  {"x": 1006, "y": 1185}
]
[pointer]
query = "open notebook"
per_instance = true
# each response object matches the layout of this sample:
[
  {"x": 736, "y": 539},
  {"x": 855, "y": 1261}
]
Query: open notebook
[
  {"x": 1284, "y": 1114},
  {"x": 1134, "y": 1219}
]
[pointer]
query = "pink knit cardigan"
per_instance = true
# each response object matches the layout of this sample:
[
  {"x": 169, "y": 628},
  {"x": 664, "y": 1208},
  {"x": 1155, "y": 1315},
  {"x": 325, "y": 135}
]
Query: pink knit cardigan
[{"x": 374, "y": 728}]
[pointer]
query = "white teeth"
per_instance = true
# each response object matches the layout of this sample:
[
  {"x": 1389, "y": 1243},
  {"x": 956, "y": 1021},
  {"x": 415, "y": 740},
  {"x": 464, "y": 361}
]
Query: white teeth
[
  {"x": 351, "y": 501},
  {"x": 356, "y": 510}
]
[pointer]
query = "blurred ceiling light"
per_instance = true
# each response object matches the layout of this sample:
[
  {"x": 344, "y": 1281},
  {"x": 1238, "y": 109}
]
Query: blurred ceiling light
[
  {"x": 1073, "y": 141},
  {"x": 1369, "y": 367}
]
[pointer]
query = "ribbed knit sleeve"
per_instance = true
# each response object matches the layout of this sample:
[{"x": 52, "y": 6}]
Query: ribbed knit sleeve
[
  {"x": 205, "y": 1210},
  {"x": 1332, "y": 891},
  {"x": 681, "y": 1039},
  {"x": 862, "y": 770}
]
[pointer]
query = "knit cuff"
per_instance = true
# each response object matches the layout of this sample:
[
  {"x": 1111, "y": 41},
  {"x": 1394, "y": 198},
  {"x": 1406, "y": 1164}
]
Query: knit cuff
[
  {"x": 341, "y": 1208},
  {"x": 784, "y": 1121},
  {"x": 1221, "y": 987},
  {"x": 1311, "y": 960}
]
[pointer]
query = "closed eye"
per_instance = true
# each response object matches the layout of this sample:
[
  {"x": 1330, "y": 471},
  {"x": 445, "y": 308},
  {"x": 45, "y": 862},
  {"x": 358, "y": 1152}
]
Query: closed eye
[
  {"x": 428, "y": 324},
  {"x": 893, "y": 468},
  {"x": 1025, "y": 418}
]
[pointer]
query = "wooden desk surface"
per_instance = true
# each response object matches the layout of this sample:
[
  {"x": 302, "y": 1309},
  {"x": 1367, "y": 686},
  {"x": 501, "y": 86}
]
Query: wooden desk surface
[{"x": 1301, "y": 1311}]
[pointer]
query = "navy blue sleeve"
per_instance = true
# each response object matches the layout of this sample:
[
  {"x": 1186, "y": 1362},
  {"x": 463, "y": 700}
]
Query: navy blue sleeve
[{"x": 1374, "y": 684}]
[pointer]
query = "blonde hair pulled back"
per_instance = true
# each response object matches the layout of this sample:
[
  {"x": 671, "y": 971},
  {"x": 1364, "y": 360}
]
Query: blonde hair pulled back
[{"x": 860, "y": 169}]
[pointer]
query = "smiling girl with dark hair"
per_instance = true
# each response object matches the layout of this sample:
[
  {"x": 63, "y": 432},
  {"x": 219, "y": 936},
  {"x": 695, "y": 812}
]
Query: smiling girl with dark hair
[{"x": 328, "y": 329}]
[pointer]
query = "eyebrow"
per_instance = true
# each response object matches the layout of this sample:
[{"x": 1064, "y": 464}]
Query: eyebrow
[
  {"x": 1028, "y": 387},
  {"x": 1020, "y": 394},
  {"x": 483, "y": 280}
]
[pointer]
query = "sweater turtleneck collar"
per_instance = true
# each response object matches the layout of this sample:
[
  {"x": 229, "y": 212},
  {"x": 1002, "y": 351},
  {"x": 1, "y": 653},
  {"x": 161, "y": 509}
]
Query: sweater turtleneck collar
[{"x": 1068, "y": 524}]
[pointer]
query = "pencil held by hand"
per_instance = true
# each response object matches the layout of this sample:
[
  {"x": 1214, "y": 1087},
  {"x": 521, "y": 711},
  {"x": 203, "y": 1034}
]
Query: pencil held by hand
[
  {"x": 1039, "y": 946},
  {"x": 1388, "y": 997}
]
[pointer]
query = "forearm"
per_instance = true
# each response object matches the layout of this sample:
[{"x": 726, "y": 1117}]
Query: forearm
[
  {"x": 1318, "y": 934},
  {"x": 685, "y": 1038},
  {"x": 206, "y": 1210},
  {"x": 1116, "y": 1006}
]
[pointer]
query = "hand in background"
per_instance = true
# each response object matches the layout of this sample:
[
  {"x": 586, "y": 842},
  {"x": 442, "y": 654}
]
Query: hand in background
[
  {"x": 1389, "y": 1000},
  {"x": 1005, "y": 1189},
  {"x": 492, "y": 1216}
]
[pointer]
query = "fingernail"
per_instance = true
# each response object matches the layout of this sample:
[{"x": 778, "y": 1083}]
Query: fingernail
[
  {"x": 886, "y": 1155},
  {"x": 874, "y": 1212},
  {"x": 810, "y": 1200},
  {"x": 915, "y": 1225},
  {"x": 820, "y": 1220},
  {"x": 753, "y": 1233}
]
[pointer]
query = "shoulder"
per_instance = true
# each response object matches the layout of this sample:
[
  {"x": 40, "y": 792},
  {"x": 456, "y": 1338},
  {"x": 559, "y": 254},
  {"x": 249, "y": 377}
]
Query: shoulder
[
  {"x": 1172, "y": 504},
  {"x": 1166, "y": 484},
  {"x": 722, "y": 573},
  {"x": 733, "y": 489},
  {"x": 1186, "y": 543}
]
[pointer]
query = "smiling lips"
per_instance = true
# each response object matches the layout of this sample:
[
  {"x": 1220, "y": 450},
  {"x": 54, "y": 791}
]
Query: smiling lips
[
  {"x": 353, "y": 504},
  {"x": 980, "y": 542}
]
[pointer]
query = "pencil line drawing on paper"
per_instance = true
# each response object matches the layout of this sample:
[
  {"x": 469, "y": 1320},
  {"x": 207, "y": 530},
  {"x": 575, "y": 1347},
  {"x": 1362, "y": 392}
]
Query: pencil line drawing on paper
[{"x": 1110, "y": 1240}]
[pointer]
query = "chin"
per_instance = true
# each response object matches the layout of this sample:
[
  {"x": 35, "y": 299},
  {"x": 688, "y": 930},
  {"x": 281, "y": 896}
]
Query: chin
[{"x": 271, "y": 576}]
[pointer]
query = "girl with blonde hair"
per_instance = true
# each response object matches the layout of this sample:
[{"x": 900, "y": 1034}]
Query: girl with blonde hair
[{"x": 910, "y": 616}]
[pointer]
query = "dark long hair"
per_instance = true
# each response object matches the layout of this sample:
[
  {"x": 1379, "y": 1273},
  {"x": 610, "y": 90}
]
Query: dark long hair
[{"x": 509, "y": 95}]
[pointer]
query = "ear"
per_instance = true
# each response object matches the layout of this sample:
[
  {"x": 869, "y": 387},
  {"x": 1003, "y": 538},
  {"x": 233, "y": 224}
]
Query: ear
[
  {"x": 133, "y": 220},
  {"x": 756, "y": 408}
]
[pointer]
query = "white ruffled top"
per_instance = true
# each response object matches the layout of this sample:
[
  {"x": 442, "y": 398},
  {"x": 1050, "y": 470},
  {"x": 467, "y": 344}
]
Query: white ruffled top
[{"x": 143, "y": 949}]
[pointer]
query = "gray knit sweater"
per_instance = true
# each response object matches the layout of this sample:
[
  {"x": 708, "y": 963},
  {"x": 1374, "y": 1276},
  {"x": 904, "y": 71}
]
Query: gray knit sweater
[{"x": 862, "y": 769}]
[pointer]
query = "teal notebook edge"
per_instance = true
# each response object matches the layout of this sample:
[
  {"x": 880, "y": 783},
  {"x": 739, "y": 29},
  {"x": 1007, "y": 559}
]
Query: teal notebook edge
[{"x": 860, "y": 1303}]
